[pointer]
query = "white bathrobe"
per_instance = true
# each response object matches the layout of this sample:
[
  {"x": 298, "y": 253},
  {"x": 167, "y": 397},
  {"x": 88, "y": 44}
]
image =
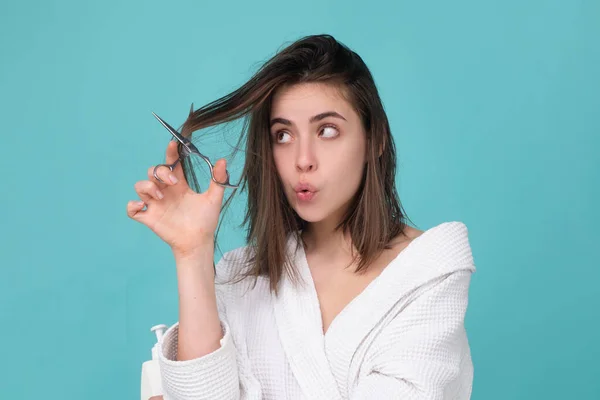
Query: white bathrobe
[{"x": 403, "y": 337}]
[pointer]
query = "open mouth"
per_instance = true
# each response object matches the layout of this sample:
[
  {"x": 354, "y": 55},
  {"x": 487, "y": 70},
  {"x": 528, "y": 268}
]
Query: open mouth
[{"x": 305, "y": 195}]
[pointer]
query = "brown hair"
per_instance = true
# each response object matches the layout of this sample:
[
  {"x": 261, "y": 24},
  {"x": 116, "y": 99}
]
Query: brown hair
[{"x": 375, "y": 215}]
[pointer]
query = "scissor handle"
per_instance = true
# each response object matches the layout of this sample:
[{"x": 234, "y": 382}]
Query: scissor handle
[
  {"x": 195, "y": 152},
  {"x": 224, "y": 184},
  {"x": 212, "y": 175},
  {"x": 170, "y": 166}
]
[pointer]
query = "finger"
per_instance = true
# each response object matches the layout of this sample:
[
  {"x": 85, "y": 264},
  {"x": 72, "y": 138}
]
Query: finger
[
  {"x": 167, "y": 176},
  {"x": 215, "y": 191},
  {"x": 148, "y": 191},
  {"x": 135, "y": 210},
  {"x": 171, "y": 156}
]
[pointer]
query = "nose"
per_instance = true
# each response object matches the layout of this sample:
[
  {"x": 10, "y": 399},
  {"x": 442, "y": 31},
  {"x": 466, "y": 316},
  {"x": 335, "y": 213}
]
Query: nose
[{"x": 305, "y": 157}]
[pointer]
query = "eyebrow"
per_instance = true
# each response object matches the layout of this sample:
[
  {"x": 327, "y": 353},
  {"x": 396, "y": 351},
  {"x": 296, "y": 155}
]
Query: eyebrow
[{"x": 317, "y": 117}]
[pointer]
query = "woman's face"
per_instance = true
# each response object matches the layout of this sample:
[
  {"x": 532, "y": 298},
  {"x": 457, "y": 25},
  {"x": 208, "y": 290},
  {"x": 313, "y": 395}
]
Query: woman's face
[{"x": 326, "y": 151}]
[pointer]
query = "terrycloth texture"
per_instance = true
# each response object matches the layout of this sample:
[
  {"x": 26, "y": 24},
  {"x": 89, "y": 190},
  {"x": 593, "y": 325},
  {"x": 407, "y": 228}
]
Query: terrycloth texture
[{"x": 403, "y": 337}]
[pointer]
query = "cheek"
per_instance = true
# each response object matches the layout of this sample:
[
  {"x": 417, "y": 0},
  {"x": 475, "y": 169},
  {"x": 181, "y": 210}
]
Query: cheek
[
  {"x": 344, "y": 176},
  {"x": 349, "y": 169},
  {"x": 280, "y": 163},
  {"x": 348, "y": 162},
  {"x": 352, "y": 175}
]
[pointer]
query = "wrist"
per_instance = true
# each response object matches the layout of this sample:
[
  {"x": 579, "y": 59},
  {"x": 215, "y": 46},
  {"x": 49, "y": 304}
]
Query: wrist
[
  {"x": 200, "y": 251},
  {"x": 194, "y": 265}
]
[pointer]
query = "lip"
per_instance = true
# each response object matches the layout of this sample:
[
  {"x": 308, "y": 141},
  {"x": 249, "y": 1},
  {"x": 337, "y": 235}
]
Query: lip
[
  {"x": 305, "y": 191},
  {"x": 305, "y": 186},
  {"x": 305, "y": 196}
]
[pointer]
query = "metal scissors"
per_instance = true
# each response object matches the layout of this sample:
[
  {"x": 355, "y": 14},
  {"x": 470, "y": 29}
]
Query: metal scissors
[{"x": 188, "y": 148}]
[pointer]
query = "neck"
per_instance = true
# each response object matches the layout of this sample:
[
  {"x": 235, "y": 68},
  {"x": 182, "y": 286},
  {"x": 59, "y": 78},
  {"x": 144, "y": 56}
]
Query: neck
[{"x": 322, "y": 239}]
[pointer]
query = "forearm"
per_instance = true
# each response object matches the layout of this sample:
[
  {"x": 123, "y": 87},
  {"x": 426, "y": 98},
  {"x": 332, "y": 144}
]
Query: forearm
[{"x": 199, "y": 326}]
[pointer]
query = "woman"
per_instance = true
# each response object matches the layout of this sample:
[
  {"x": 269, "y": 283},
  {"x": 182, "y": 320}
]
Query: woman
[{"x": 335, "y": 296}]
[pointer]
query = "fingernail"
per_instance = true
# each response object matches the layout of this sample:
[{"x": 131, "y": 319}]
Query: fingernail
[
  {"x": 159, "y": 194},
  {"x": 139, "y": 203},
  {"x": 172, "y": 178}
]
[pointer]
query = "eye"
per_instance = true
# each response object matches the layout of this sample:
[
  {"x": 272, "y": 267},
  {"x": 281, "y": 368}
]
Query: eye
[
  {"x": 277, "y": 135},
  {"x": 330, "y": 128}
]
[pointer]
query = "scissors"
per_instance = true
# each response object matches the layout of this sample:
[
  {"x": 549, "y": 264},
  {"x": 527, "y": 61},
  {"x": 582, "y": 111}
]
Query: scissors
[{"x": 188, "y": 149}]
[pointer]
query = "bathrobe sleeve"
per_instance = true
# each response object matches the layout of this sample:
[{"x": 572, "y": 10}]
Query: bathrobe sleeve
[
  {"x": 223, "y": 374},
  {"x": 423, "y": 353},
  {"x": 212, "y": 376}
]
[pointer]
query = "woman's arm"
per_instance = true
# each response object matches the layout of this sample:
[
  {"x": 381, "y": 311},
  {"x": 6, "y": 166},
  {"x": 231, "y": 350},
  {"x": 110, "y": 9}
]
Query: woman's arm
[
  {"x": 199, "y": 327},
  {"x": 197, "y": 356}
]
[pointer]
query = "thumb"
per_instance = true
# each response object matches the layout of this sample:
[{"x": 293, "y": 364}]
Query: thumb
[
  {"x": 171, "y": 154},
  {"x": 215, "y": 191}
]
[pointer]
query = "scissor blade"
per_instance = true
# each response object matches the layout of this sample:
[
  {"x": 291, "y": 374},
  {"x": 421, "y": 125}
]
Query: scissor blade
[{"x": 177, "y": 135}]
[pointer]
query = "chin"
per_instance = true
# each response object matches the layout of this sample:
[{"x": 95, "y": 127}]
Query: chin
[
  {"x": 311, "y": 219},
  {"x": 310, "y": 214}
]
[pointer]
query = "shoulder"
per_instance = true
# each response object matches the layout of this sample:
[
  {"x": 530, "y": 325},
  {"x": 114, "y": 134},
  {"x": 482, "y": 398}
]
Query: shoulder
[
  {"x": 412, "y": 233},
  {"x": 434, "y": 253},
  {"x": 404, "y": 238},
  {"x": 447, "y": 245},
  {"x": 434, "y": 271},
  {"x": 450, "y": 245}
]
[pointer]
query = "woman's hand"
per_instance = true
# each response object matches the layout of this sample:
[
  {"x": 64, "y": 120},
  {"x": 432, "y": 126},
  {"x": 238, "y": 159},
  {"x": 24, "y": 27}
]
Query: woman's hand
[{"x": 185, "y": 220}]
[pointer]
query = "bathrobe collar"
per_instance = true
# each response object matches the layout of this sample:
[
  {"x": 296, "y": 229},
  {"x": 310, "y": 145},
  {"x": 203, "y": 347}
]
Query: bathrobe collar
[{"x": 440, "y": 250}]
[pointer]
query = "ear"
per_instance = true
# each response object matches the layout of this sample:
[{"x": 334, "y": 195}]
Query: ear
[{"x": 381, "y": 148}]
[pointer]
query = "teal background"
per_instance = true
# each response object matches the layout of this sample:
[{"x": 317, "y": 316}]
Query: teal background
[{"x": 495, "y": 111}]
